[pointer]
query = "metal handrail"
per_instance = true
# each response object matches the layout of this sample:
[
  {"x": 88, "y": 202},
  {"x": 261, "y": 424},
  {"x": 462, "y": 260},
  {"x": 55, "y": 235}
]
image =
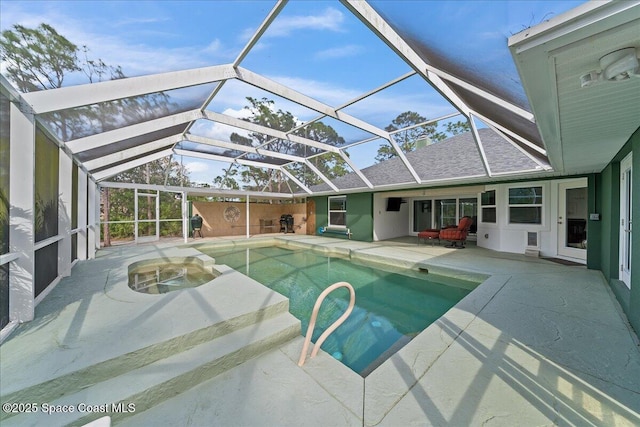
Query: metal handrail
[{"x": 334, "y": 325}]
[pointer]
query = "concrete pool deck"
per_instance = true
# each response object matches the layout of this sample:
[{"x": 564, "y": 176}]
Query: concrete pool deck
[{"x": 537, "y": 343}]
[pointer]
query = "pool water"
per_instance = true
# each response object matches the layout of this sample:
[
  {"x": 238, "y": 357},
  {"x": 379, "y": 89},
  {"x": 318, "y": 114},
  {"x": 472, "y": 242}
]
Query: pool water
[{"x": 391, "y": 308}]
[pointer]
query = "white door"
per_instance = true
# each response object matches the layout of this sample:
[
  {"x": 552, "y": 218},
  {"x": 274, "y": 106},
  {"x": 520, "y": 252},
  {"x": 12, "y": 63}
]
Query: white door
[
  {"x": 625, "y": 221},
  {"x": 572, "y": 219}
]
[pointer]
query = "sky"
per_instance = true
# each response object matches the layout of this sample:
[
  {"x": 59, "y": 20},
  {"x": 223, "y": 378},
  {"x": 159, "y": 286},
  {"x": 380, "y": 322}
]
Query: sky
[{"x": 316, "y": 47}]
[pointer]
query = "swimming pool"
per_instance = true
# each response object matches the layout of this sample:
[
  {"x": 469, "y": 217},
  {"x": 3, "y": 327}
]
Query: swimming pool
[{"x": 391, "y": 307}]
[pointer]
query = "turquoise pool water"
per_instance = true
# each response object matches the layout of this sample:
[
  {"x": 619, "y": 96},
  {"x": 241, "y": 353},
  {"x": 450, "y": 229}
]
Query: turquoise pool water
[{"x": 391, "y": 308}]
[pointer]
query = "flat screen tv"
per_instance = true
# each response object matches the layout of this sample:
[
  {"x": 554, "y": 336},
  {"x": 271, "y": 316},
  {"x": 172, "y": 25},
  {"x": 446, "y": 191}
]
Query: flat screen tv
[{"x": 393, "y": 204}]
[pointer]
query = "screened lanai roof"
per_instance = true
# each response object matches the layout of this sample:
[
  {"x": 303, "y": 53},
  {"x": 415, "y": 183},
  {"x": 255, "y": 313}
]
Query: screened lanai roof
[{"x": 351, "y": 65}]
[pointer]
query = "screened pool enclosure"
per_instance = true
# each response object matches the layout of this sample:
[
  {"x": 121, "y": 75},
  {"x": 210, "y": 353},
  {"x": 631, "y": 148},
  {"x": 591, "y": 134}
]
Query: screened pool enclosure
[{"x": 308, "y": 96}]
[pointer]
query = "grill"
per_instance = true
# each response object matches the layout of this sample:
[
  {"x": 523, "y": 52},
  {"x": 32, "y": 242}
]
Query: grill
[{"x": 286, "y": 223}]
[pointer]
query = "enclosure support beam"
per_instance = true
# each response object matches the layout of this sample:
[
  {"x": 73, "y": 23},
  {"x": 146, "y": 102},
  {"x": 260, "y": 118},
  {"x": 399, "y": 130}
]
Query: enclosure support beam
[
  {"x": 45, "y": 101},
  {"x": 82, "y": 215},
  {"x": 185, "y": 218},
  {"x": 135, "y": 216},
  {"x": 21, "y": 215},
  {"x": 248, "y": 216},
  {"x": 93, "y": 228},
  {"x": 157, "y": 215},
  {"x": 479, "y": 146},
  {"x": 64, "y": 213}
]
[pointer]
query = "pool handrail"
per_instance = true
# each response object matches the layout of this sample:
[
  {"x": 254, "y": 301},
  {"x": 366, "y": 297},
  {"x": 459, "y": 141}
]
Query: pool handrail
[{"x": 334, "y": 325}]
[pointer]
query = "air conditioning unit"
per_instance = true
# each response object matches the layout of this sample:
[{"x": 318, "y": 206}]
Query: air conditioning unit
[{"x": 532, "y": 243}]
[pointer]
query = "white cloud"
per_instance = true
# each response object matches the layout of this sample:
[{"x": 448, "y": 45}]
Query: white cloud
[
  {"x": 196, "y": 167},
  {"x": 137, "y": 21},
  {"x": 204, "y": 171},
  {"x": 330, "y": 20},
  {"x": 324, "y": 91},
  {"x": 215, "y": 46},
  {"x": 243, "y": 113},
  {"x": 339, "y": 52}
]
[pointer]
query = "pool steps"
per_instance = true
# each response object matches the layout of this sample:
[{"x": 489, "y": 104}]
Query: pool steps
[{"x": 151, "y": 375}]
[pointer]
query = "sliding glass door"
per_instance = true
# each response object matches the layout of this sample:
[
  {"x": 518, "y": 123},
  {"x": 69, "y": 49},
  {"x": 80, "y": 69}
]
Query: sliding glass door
[{"x": 441, "y": 213}]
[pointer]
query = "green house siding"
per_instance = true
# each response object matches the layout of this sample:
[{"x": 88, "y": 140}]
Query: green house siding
[
  {"x": 322, "y": 212},
  {"x": 634, "y": 304},
  {"x": 594, "y": 228},
  {"x": 607, "y": 197},
  {"x": 359, "y": 216},
  {"x": 605, "y": 188}
]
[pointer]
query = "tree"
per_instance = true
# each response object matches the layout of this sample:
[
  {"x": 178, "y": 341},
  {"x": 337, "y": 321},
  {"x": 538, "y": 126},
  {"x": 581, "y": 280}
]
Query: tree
[
  {"x": 407, "y": 139},
  {"x": 330, "y": 164},
  {"x": 263, "y": 113},
  {"x": 228, "y": 180},
  {"x": 455, "y": 128},
  {"x": 37, "y": 59},
  {"x": 40, "y": 59}
]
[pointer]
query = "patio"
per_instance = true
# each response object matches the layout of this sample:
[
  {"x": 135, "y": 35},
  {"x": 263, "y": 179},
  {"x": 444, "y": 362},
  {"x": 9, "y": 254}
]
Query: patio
[{"x": 537, "y": 343}]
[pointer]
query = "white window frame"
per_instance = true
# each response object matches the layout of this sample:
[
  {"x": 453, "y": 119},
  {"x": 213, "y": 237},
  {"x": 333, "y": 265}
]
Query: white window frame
[
  {"x": 541, "y": 205},
  {"x": 494, "y": 206},
  {"x": 329, "y": 211}
]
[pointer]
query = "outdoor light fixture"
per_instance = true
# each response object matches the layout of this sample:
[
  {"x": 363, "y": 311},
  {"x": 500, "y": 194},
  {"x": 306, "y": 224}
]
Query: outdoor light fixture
[{"x": 616, "y": 66}]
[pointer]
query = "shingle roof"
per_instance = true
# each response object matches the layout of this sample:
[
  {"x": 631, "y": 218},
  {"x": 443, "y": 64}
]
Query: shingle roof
[{"x": 455, "y": 157}]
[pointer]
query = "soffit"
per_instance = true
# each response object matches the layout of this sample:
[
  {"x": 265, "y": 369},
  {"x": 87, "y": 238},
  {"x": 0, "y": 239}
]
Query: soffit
[{"x": 582, "y": 127}]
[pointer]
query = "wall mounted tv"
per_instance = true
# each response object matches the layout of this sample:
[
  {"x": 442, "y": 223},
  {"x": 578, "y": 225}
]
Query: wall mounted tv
[{"x": 393, "y": 204}]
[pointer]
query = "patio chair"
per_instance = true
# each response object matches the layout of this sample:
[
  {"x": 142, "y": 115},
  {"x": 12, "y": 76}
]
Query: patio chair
[
  {"x": 196, "y": 225},
  {"x": 458, "y": 234},
  {"x": 429, "y": 234}
]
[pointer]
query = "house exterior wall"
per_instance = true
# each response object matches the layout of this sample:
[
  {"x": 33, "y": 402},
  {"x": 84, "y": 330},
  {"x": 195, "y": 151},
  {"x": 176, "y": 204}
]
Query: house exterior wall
[
  {"x": 322, "y": 212},
  {"x": 506, "y": 237},
  {"x": 390, "y": 224},
  {"x": 359, "y": 216},
  {"x": 369, "y": 220},
  {"x": 606, "y": 256},
  {"x": 634, "y": 300}
]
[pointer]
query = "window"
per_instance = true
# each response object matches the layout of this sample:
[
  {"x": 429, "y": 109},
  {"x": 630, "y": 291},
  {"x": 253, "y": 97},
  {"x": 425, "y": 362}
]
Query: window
[
  {"x": 338, "y": 211},
  {"x": 445, "y": 213},
  {"x": 488, "y": 203},
  {"x": 525, "y": 205}
]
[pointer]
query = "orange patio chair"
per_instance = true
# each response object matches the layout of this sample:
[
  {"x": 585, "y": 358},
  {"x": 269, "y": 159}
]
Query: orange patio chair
[{"x": 458, "y": 234}]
